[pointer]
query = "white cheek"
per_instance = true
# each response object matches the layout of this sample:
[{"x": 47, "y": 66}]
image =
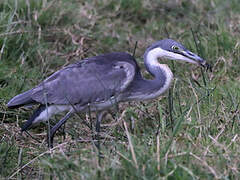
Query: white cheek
[
  {"x": 153, "y": 55},
  {"x": 174, "y": 56},
  {"x": 158, "y": 52}
]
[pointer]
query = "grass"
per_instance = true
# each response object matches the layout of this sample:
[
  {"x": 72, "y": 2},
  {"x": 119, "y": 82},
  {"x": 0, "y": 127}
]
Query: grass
[{"x": 191, "y": 132}]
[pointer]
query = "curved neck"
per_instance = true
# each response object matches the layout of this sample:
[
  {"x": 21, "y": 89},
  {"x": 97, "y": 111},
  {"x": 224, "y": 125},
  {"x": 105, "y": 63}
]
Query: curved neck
[
  {"x": 142, "y": 89},
  {"x": 163, "y": 75},
  {"x": 153, "y": 66}
]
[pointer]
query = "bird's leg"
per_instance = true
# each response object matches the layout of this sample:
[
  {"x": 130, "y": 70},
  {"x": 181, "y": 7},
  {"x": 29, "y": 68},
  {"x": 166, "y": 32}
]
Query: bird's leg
[
  {"x": 132, "y": 123},
  {"x": 98, "y": 128},
  {"x": 63, "y": 131},
  {"x": 115, "y": 111},
  {"x": 90, "y": 117},
  {"x": 56, "y": 127}
]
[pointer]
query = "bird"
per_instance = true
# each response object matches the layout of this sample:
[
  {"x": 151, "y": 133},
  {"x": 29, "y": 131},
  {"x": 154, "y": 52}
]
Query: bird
[{"x": 97, "y": 83}]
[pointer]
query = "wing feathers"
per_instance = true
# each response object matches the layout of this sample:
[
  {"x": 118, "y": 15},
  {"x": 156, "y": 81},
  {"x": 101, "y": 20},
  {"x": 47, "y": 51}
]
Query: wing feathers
[
  {"x": 21, "y": 99},
  {"x": 93, "y": 80}
]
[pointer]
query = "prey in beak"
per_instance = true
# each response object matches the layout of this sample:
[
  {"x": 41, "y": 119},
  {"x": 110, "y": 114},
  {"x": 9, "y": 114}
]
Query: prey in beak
[
  {"x": 193, "y": 58},
  {"x": 206, "y": 66}
]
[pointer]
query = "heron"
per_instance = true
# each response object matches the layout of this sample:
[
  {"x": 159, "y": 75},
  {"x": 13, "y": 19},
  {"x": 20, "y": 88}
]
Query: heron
[{"x": 99, "y": 82}]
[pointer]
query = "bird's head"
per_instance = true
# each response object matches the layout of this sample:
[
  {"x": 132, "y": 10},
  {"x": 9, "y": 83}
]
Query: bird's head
[{"x": 170, "y": 49}]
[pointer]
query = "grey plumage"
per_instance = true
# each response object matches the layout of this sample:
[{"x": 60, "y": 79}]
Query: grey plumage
[
  {"x": 99, "y": 82},
  {"x": 91, "y": 80},
  {"x": 21, "y": 100}
]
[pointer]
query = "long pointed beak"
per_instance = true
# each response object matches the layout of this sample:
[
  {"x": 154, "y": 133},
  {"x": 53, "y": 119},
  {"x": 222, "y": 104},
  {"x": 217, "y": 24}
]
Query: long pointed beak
[{"x": 197, "y": 59}]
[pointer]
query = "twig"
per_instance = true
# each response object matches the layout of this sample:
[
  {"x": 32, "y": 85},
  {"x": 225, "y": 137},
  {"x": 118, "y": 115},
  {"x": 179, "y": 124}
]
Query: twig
[
  {"x": 130, "y": 144},
  {"x": 197, "y": 101},
  {"x": 124, "y": 157},
  {"x": 206, "y": 164},
  {"x": 170, "y": 105},
  {"x": 14, "y": 32},
  {"x": 198, "y": 50},
  {"x": 158, "y": 152},
  {"x": 135, "y": 47},
  {"x": 46, "y": 152},
  {"x": 26, "y": 132}
]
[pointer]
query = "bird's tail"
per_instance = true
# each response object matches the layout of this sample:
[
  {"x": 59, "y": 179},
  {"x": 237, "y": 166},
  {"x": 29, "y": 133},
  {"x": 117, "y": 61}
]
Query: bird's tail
[
  {"x": 34, "y": 118},
  {"x": 20, "y": 100}
]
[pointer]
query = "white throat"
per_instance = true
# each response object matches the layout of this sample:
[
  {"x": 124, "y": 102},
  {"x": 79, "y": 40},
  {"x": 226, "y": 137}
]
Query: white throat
[
  {"x": 153, "y": 66},
  {"x": 161, "y": 53}
]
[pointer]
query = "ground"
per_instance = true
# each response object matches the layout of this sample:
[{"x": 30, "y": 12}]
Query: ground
[{"x": 190, "y": 132}]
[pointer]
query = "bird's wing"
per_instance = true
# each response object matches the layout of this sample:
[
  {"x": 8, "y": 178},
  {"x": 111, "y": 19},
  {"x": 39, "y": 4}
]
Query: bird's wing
[{"x": 85, "y": 82}]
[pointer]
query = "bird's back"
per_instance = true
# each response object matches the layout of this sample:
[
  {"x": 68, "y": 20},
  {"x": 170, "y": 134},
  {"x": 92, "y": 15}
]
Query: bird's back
[{"x": 93, "y": 79}]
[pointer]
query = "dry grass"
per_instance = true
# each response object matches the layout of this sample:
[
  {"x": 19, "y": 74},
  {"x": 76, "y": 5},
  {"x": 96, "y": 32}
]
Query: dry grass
[{"x": 191, "y": 132}]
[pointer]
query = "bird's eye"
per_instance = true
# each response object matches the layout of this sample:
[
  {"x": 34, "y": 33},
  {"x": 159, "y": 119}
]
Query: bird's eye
[{"x": 175, "y": 48}]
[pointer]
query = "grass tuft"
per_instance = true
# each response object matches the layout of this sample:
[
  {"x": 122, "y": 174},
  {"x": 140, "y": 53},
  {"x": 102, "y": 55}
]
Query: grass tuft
[{"x": 191, "y": 132}]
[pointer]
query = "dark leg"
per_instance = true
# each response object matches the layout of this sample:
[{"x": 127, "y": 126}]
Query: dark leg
[
  {"x": 99, "y": 119},
  {"x": 56, "y": 127},
  {"x": 64, "y": 133},
  {"x": 98, "y": 128},
  {"x": 98, "y": 124}
]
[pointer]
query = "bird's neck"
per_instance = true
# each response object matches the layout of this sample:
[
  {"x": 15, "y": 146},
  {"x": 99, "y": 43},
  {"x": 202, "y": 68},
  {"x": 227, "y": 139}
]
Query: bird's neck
[
  {"x": 153, "y": 66},
  {"x": 143, "y": 89},
  {"x": 161, "y": 72}
]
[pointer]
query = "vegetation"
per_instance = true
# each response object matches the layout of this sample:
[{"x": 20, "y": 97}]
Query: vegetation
[{"x": 191, "y": 132}]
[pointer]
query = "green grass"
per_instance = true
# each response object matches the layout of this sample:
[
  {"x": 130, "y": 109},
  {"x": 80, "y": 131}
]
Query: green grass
[{"x": 191, "y": 132}]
